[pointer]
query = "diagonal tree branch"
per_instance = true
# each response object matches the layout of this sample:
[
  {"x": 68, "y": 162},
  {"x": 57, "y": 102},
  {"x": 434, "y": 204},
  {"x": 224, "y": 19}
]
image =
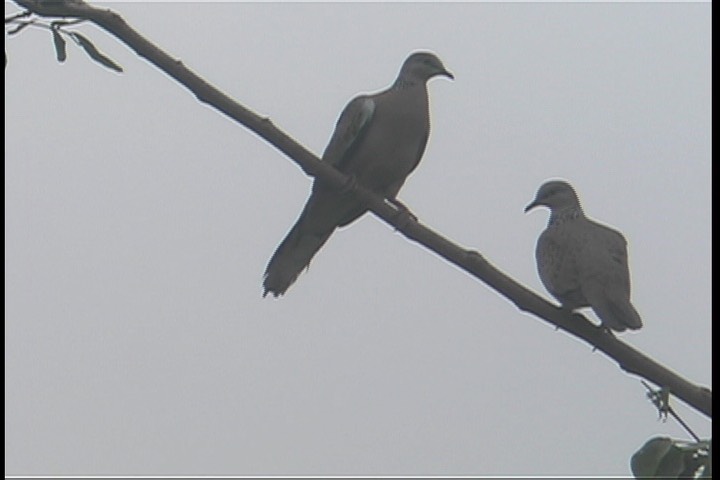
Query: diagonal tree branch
[{"x": 628, "y": 358}]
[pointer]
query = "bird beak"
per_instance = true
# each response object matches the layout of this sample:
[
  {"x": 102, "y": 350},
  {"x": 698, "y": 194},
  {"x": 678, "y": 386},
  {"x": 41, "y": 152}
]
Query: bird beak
[
  {"x": 531, "y": 205},
  {"x": 445, "y": 73}
]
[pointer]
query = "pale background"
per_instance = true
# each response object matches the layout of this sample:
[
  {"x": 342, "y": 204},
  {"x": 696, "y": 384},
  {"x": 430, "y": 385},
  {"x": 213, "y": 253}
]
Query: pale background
[{"x": 138, "y": 223}]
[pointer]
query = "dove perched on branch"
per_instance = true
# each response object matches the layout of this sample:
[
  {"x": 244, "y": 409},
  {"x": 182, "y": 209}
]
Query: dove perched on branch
[
  {"x": 378, "y": 140},
  {"x": 581, "y": 262}
]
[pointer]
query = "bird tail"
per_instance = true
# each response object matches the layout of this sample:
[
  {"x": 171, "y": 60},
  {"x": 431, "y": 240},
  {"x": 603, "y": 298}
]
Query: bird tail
[
  {"x": 616, "y": 312},
  {"x": 292, "y": 256}
]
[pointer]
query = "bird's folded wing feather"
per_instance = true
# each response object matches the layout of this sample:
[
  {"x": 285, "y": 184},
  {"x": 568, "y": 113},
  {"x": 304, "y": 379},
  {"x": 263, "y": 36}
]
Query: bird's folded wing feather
[
  {"x": 349, "y": 131},
  {"x": 607, "y": 260}
]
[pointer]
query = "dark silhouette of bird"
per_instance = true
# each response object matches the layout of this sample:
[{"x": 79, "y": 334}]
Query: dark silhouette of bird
[
  {"x": 378, "y": 140},
  {"x": 583, "y": 263}
]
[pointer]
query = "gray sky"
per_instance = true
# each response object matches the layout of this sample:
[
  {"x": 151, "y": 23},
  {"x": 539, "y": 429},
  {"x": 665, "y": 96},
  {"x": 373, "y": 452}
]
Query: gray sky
[{"x": 138, "y": 223}]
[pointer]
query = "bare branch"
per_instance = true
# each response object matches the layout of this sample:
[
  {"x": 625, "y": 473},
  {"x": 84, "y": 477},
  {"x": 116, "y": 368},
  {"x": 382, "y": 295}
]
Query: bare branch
[
  {"x": 628, "y": 358},
  {"x": 17, "y": 16}
]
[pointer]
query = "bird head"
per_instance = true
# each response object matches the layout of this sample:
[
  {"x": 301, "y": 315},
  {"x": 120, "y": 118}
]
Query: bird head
[
  {"x": 556, "y": 195},
  {"x": 422, "y": 66}
]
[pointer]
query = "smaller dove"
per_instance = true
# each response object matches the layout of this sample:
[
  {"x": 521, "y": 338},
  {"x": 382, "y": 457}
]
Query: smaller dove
[{"x": 581, "y": 262}]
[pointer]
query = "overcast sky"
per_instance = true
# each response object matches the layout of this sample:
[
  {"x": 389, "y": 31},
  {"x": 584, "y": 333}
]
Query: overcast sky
[{"x": 138, "y": 223}]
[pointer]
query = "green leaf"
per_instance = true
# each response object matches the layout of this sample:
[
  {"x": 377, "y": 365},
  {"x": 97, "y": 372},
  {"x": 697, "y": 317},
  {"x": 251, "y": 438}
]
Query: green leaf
[
  {"x": 707, "y": 473},
  {"x": 672, "y": 464},
  {"x": 663, "y": 457},
  {"x": 650, "y": 459},
  {"x": 698, "y": 459},
  {"x": 94, "y": 53},
  {"x": 60, "y": 46}
]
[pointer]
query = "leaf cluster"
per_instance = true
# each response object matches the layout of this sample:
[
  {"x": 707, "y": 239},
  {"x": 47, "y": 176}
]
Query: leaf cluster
[
  {"x": 58, "y": 29},
  {"x": 664, "y": 457}
]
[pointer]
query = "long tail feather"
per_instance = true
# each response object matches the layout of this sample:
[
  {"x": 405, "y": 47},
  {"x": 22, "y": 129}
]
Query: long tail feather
[{"x": 292, "y": 257}]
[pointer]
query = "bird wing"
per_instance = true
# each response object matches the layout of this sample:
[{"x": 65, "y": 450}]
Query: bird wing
[
  {"x": 349, "y": 131},
  {"x": 605, "y": 257}
]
